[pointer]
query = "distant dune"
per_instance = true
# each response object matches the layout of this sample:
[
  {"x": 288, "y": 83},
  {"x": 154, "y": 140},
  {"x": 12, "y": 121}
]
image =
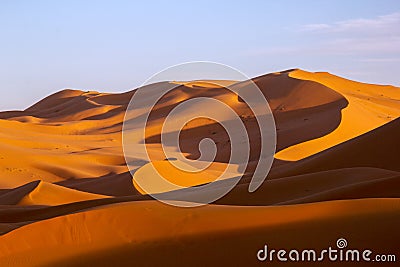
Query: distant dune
[{"x": 67, "y": 197}]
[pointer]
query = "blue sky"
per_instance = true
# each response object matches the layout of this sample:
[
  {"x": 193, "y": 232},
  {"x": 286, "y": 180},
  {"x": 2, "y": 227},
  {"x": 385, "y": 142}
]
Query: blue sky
[{"x": 114, "y": 46}]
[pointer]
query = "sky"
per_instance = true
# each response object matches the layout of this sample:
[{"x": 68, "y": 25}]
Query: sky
[{"x": 114, "y": 46}]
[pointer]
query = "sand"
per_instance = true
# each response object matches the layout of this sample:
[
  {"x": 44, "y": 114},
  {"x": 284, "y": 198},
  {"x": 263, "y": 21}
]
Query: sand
[{"x": 67, "y": 197}]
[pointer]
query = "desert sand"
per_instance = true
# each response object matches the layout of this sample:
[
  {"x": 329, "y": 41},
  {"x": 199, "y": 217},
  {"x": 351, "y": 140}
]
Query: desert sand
[{"x": 67, "y": 197}]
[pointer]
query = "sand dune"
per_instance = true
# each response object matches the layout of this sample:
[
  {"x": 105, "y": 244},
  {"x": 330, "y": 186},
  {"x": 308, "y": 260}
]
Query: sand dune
[
  {"x": 51, "y": 194},
  {"x": 370, "y": 106},
  {"x": 378, "y": 148},
  {"x": 337, "y": 184},
  {"x": 114, "y": 236},
  {"x": 152, "y": 175},
  {"x": 111, "y": 184},
  {"x": 336, "y": 174}
]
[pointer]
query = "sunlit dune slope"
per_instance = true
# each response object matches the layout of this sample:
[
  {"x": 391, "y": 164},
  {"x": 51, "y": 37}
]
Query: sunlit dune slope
[
  {"x": 370, "y": 106},
  {"x": 51, "y": 194},
  {"x": 378, "y": 148},
  {"x": 59, "y": 144},
  {"x": 179, "y": 175}
]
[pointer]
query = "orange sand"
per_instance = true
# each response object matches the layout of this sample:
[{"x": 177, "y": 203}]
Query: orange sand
[{"x": 67, "y": 198}]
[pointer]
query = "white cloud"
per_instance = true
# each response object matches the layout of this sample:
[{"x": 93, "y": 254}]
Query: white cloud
[
  {"x": 366, "y": 49},
  {"x": 380, "y": 25},
  {"x": 363, "y": 37}
]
